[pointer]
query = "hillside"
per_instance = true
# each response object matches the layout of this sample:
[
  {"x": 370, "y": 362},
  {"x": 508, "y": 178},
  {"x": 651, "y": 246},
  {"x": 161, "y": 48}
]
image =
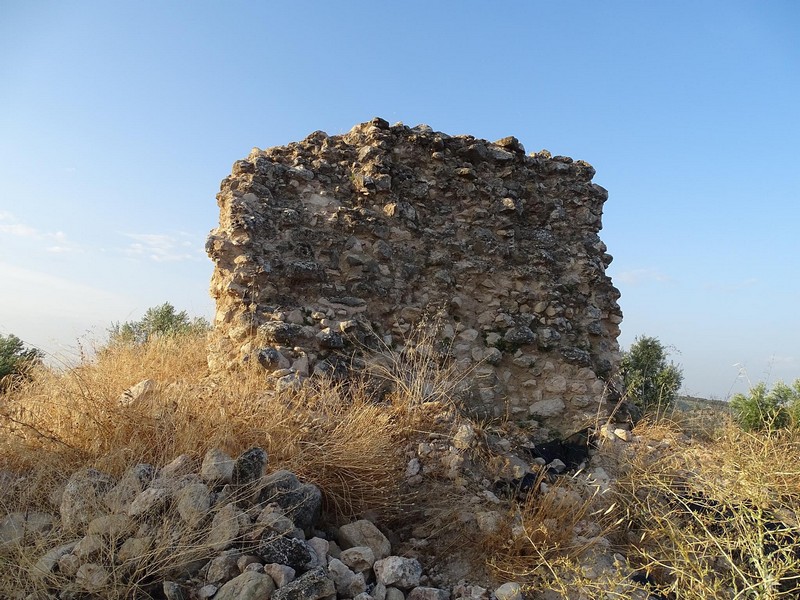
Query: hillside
[{"x": 395, "y": 495}]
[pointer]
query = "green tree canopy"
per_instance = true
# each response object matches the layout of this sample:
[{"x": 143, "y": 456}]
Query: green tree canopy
[
  {"x": 650, "y": 382},
  {"x": 158, "y": 321},
  {"x": 15, "y": 359}
]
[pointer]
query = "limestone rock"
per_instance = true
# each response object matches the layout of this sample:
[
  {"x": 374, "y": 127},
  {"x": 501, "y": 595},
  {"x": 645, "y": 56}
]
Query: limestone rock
[
  {"x": 509, "y": 591},
  {"x": 151, "y": 500},
  {"x": 222, "y": 568},
  {"x": 137, "y": 393},
  {"x": 225, "y": 527},
  {"x": 313, "y": 585},
  {"x": 89, "y": 546},
  {"x": 172, "y": 591},
  {"x": 301, "y": 502},
  {"x": 287, "y": 551},
  {"x": 182, "y": 465},
  {"x": 428, "y": 593},
  {"x": 348, "y": 584},
  {"x": 217, "y": 466},
  {"x": 464, "y": 437},
  {"x": 113, "y": 526},
  {"x": 247, "y": 586},
  {"x": 489, "y": 521},
  {"x": 82, "y": 497},
  {"x": 134, "y": 549},
  {"x": 249, "y": 560},
  {"x": 398, "y": 571},
  {"x": 392, "y": 593},
  {"x": 364, "y": 533},
  {"x": 15, "y": 526},
  {"x": 359, "y": 558},
  {"x": 194, "y": 503},
  {"x": 322, "y": 548},
  {"x": 281, "y": 574},
  {"x": 92, "y": 577},
  {"x": 132, "y": 483},
  {"x": 249, "y": 466},
  {"x": 68, "y": 565},
  {"x": 47, "y": 562}
]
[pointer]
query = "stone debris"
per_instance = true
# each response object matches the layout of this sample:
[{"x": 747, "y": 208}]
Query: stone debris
[
  {"x": 14, "y": 527},
  {"x": 246, "y": 545},
  {"x": 364, "y": 533},
  {"x": 509, "y": 591},
  {"x": 82, "y": 497},
  {"x": 397, "y": 571},
  {"x": 138, "y": 393},
  {"x": 217, "y": 467}
]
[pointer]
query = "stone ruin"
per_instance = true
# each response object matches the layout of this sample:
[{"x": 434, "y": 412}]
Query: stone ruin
[{"x": 333, "y": 241}]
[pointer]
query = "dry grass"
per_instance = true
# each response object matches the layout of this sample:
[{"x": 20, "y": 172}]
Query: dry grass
[
  {"x": 715, "y": 519},
  {"x": 552, "y": 534},
  {"x": 339, "y": 436},
  {"x": 705, "y": 517},
  {"x": 334, "y": 435}
]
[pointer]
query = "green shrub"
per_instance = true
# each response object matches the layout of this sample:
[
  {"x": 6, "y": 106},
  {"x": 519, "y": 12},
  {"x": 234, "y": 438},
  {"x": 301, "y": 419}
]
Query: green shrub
[
  {"x": 158, "y": 321},
  {"x": 767, "y": 410},
  {"x": 16, "y": 361},
  {"x": 650, "y": 383}
]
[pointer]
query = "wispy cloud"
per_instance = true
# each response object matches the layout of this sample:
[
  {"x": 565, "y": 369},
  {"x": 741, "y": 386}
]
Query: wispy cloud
[
  {"x": 641, "y": 276},
  {"x": 730, "y": 287},
  {"x": 57, "y": 240},
  {"x": 160, "y": 247}
]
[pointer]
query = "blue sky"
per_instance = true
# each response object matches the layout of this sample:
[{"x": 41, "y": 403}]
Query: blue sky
[{"x": 119, "y": 119}]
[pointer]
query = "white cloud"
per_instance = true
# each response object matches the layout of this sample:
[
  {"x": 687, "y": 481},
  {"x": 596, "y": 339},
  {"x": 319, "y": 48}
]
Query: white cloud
[
  {"x": 10, "y": 225},
  {"x": 160, "y": 247},
  {"x": 640, "y": 276}
]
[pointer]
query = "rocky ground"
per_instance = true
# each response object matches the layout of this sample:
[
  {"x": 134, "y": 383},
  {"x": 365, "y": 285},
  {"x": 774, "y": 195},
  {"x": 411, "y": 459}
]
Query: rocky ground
[{"x": 225, "y": 528}]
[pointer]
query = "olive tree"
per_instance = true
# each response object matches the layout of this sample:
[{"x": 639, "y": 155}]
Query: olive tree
[
  {"x": 158, "y": 321},
  {"x": 650, "y": 382},
  {"x": 16, "y": 360},
  {"x": 767, "y": 410}
]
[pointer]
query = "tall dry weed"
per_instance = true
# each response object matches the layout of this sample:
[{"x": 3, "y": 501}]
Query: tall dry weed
[
  {"x": 550, "y": 534},
  {"x": 716, "y": 519}
]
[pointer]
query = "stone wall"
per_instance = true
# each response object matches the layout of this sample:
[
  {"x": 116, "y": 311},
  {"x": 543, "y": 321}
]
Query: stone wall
[{"x": 325, "y": 239}]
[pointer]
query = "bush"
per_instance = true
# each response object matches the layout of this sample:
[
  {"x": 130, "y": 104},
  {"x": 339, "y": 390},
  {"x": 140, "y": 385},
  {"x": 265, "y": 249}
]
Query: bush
[
  {"x": 15, "y": 360},
  {"x": 763, "y": 410},
  {"x": 649, "y": 382},
  {"x": 158, "y": 321}
]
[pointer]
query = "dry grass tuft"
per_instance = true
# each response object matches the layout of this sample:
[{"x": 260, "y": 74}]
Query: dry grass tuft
[
  {"x": 335, "y": 435},
  {"x": 551, "y": 533},
  {"x": 718, "y": 519}
]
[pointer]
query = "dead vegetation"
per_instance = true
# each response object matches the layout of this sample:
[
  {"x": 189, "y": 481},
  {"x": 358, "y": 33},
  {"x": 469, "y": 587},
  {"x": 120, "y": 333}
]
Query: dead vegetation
[{"x": 333, "y": 434}]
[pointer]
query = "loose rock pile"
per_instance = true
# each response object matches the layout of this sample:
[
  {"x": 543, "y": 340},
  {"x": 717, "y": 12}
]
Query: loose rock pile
[{"x": 224, "y": 532}]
